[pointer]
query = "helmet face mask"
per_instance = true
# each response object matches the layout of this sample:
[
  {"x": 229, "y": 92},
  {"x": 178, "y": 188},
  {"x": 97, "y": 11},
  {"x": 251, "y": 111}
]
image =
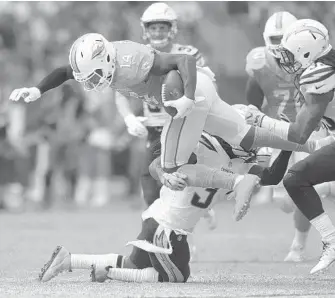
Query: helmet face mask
[
  {"x": 163, "y": 19},
  {"x": 93, "y": 61},
  {"x": 287, "y": 61}
]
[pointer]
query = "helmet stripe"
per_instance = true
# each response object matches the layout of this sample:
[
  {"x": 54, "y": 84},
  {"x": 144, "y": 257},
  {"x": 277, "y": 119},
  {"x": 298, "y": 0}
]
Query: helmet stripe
[
  {"x": 279, "y": 20},
  {"x": 73, "y": 55}
]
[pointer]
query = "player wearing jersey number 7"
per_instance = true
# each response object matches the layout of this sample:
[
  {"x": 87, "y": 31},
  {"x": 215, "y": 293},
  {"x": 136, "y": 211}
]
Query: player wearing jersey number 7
[{"x": 137, "y": 70}]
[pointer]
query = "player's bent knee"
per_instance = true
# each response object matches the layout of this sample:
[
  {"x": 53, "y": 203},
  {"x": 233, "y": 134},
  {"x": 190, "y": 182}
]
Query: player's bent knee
[{"x": 292, "y": 180}]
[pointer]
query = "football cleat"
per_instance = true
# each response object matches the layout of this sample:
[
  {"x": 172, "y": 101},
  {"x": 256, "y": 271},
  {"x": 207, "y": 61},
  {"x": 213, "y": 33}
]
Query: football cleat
[
  {"x": 296, "y": 255},
  {"x": 327, "y": 258},
  {"x": 99, "y": 273},
  {"x": 59, "y": 262},
  {"x": 242, "y": 195}
]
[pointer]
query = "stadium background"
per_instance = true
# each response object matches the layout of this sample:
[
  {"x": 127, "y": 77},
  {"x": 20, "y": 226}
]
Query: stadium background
[{"x": 59, "y": 179}]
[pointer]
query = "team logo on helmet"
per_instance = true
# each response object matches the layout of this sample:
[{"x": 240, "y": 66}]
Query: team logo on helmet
[{"x": 98, "y": 48}]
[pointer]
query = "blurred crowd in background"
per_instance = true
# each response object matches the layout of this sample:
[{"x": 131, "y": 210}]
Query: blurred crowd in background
[{"x": 71, "y": 148}]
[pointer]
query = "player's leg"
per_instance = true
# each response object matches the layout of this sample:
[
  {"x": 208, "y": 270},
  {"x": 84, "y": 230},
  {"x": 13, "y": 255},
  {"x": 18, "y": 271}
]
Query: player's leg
[
  {"x": 62, "y": 260},
  {"x": 301, "y": 223},
  {"x": 169, "y": 257},
  {"x": 297, "y": 248},
  {"x": 299, "y": 183},
  {"x": 150, "y": 186},
  {"x": 172, "y": 267},
  {"x": 180, "y": 137},
  {"x": 226, "y": 122}
]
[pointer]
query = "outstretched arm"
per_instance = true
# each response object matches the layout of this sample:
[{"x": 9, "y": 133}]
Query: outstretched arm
[
  {"x": 274, "y": 174},
  {"x": 56, "y": 78},
  {"x": 306, "y": 121}
]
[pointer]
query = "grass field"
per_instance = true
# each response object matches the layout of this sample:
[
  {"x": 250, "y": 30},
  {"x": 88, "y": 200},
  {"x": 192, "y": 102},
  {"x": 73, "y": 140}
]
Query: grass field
[{"x": 236, "y": 260}]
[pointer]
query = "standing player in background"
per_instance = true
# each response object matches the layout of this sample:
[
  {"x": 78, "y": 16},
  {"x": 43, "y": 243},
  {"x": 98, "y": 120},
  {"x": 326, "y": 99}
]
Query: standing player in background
[
  {"x": 159, "y": 25},
  {"x": 267, "y": 80}
]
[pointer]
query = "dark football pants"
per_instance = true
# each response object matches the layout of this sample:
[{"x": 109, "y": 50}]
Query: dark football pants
[
  {"x": 150, "y": 186},
  {"x": 317, "y": 168},
  {"x": 171, "y": 268}
]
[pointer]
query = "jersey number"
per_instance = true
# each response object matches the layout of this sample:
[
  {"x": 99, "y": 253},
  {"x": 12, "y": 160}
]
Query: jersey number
[{"x": 196, "y": 200}]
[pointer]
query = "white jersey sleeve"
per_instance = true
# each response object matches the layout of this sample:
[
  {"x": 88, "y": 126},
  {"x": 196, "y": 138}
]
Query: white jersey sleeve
[{"x": 318, "y": 78}]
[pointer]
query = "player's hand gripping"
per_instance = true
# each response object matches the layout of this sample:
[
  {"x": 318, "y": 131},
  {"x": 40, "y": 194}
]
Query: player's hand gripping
[
  {"x": 175, "y": 181},
  {"x": 183, "y": 105},
  {"x": 135, "y": 126},
  {"x": 27, "y": 94},
  {"x": 254, "y": 116}
]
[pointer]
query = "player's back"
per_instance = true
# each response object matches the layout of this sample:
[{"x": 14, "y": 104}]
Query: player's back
[
  {"x": 181, "y": 210},
  {"x": 281, "y": 94}
]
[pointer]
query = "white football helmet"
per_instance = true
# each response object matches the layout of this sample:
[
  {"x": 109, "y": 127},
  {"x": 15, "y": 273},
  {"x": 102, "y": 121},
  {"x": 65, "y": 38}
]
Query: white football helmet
[
  {"x": 303, "y": 43},
  {"x": 159, "y": 13},
  {"x": 274, "y": 30},
  {"x": 93, "y": 60}
]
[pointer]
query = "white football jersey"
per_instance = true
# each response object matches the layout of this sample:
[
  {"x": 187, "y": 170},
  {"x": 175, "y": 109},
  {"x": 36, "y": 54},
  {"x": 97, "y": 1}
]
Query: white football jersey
[
  {"x": 181, "y": 210},
  {"x": 319, "y": 78}
]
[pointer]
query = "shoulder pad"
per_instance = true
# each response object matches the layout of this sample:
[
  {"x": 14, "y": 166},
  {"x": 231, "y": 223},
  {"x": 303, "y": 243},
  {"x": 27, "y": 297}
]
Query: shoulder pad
[
  {"x": 186, "y": 49},
  {"x": 256, "y": 59},
  {"x": 318, "y": 78}
]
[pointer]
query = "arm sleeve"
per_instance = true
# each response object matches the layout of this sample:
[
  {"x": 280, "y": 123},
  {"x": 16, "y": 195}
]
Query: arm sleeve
[
  {"x": 274, "y": 174},
  {"x": 56, "y": 78}
]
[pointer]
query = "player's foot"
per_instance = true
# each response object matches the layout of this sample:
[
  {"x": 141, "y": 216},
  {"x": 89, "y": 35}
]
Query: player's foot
[
  {"x": 327, "y": 257},
  {"x": 324, "y": 142},
  {"x": 59, "y": 262},
  {"x": 296, "y": 255},
  {"x": 242, "y": 195},
  {"x": 99, "y": 273},
  {"x": 193, "y": 254},
  {"x": 211, "y": 219}
]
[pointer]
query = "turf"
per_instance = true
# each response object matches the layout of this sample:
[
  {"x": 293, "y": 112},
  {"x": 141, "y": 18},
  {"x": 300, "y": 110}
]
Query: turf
[{"x": 241, "y": 259}]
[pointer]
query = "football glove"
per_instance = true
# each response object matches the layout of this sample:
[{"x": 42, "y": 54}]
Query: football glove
[
  {"x": 27, "y": 94},
  {"x": 175, "y": 181},
  {"x": 183, "y": 105},
  {"x": 254, "y": 116},
  {"x": 135, "y": 126}
]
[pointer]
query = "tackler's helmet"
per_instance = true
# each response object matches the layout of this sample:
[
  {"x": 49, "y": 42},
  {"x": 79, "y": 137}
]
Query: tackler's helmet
[
  {"x": 303, "y": 43},
  {"x": 159, "y": 13},
  {"x": 93, "y": 61},
  {"x": 274, "y": 30}
]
